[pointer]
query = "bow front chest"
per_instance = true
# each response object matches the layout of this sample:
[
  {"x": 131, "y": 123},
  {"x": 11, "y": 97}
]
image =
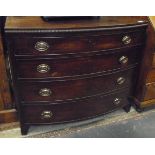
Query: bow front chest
[{"x": 71, "y": 70}]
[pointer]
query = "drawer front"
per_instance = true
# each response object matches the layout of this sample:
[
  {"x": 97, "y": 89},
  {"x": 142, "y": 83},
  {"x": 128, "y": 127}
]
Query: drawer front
[
  {"x": 149, "y": 92},
  {"x": 75, "y": 110},
  {"x": 75, "y": 89},
  {"x": 50, "y": 68},
  {"x": 53, "y": 46}
]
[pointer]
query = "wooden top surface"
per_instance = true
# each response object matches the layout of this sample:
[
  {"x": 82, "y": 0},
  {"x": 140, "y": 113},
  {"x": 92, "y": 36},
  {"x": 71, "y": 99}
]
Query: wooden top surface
[
  {"x": 36, "y": 22},
  {"x": 152, "y": 19}
]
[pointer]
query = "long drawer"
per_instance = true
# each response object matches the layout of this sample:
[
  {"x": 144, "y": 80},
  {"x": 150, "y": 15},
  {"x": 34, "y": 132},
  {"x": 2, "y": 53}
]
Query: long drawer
[
  {"x": 68, "y": 67},
  {"x": 74, "y": 89},
  {"x": 60, "y": 45},
  {"x": 75, "y": 110}
]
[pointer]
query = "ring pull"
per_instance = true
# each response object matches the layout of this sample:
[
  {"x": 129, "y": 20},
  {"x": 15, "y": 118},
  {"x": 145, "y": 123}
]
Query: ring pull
[{"x": 41, "y": 46}]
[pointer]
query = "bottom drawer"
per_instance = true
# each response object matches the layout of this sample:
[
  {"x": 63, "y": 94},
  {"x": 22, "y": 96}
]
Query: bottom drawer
[{"x": 40, "y": 114}]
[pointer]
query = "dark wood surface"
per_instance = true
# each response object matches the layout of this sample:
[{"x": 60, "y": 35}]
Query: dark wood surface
[
  {"x": 7, "y": 112},
  {"x": 149, "y": 91},
  {"x": 75, "y": 89},
  {"x": 8, "y": 116},
  {"x": 146, "y": 63},
  {"x": 28, "y": 23},
  {"x": 5, "y": 94},
  {"x": 153, "y": 63},
  {"x": 151, "y": 76},
  {"x": 75, "y": 45},
  {"x": 83, "y": 57},
  {"x": 145, "y": 94},
  {"x": 75, "y": 110},
  {"x": 78, "y": 66}
]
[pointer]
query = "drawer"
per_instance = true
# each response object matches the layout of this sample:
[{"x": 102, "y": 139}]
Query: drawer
[
  {"x": 151, "y": 76},
  {"x": 149, "y": 92},
  {"x": 73, "y": 45},
  {"x": 75, "y": 89},
  {"x": 69, "y": 67},
  {"x": 71, "y": 111}
]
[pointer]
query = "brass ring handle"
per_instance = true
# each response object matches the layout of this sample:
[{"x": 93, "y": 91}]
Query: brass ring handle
[
  {"x": 117, "y": 101},
  {"x": 123, "y": 59},
  {"x": 126, "y": 40},
  {"x": 120, "y": 80},
  {"x": 46, "y": 114},
  {"x": 43, "y": 68},
  {"x": 45, "y": 92},
  {"x": 41, "y": 46}
]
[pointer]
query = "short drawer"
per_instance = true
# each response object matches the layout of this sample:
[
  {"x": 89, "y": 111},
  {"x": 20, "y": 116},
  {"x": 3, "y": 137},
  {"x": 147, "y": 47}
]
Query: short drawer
[
  {"x": 73, "y": 45},
  {"x": 149, "y": 92},
  {"x": 69, "y": 67},
  {"x": 75, "y": 89},
  {"x": 83, "y": 109}
]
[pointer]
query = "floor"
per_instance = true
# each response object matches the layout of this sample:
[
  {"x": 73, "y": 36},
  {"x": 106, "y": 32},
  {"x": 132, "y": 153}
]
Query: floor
[{"x": 114, "y": 125}]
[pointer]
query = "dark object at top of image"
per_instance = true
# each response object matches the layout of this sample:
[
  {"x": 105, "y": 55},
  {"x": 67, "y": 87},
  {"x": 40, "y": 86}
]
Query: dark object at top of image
[{"x": 59, "y": 18}]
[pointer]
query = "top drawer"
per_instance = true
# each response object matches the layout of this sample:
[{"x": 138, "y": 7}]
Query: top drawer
[{"x": 36, "y": 46}]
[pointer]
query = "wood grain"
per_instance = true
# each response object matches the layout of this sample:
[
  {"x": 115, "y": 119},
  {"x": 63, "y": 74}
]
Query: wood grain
[
  {"x": 146, "y": 64},
  {"x": 4, "y": 82},
  {"x": 75, "y": 45},
  {"x": 149, "y": 92},
  {"x": 151, "y": 76},
  {"x": 87, "y": 95},
  {"x": 75, "y": 89},
  {"x": 76, "y": 110},
  {"x": 152, "y": 19},
  {"x": 1, "y": 101},
  {"x": 8, "y": 116},
  {"x": 78, "y": 66},
  {"x": 147, "y": 103},
  {"x": 32, "y": 22},
  {"x": 153, "y": 63}
]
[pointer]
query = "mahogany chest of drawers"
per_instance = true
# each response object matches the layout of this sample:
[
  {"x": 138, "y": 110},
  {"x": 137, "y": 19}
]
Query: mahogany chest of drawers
[{"x": 71, "y": 70}]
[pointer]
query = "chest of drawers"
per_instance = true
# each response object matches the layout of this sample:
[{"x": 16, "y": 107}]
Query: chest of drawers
[{"x": 72, "y": 70}]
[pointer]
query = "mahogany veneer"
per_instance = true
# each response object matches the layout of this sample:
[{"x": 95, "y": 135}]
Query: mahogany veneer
[
  {"x": 71, "y": 70},
  {"x": 145, "y": 93},
  {"x": 7, "y": 112}
]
